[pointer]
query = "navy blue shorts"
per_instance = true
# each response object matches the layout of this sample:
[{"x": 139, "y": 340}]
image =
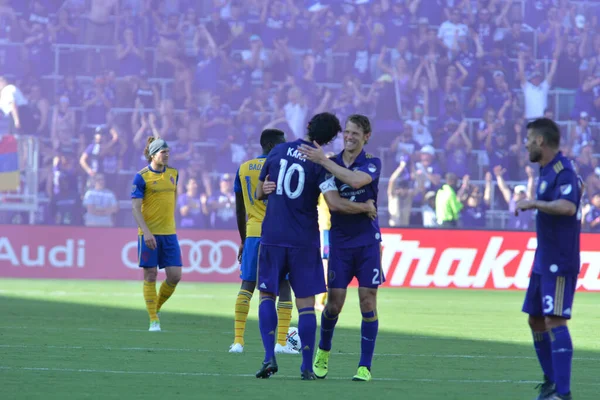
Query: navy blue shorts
[
  {"x": 550, "y": 295},
  {"x": 166, "y": 254},
  {"x": 364, "y": 263},
  {"x": 304, "y": 266},
  {"x": 250, "y": 259}
]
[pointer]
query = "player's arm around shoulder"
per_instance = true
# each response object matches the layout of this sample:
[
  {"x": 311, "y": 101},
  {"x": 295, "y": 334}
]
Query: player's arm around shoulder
[{"x": 364, "y": 175}]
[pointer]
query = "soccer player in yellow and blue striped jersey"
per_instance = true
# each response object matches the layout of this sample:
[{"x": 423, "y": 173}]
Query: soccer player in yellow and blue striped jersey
[
  {"x": 154, "y": 195},
  {"x": 250, "y": 214}
]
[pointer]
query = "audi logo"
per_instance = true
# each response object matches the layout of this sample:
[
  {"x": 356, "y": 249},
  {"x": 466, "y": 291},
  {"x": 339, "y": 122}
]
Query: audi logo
[{"x": 203, "y": 256}]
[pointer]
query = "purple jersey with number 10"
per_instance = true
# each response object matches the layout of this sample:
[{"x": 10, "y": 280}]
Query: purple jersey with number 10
[{"x": 291, "y": 219}]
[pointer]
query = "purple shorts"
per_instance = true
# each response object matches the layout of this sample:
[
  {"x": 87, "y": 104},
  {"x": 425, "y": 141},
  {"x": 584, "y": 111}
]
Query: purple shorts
[
  {"x": 304, "y": 265},
  {"x": 364, "y": 263},
  {"x": 550, "y": 295}
]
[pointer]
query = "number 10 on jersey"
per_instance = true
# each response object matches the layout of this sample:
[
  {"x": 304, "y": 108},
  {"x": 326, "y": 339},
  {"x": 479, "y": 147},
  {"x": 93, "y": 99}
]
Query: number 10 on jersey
[{"x": 284, "y": 179}]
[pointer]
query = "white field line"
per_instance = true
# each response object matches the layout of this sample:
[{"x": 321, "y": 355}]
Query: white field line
[
  {"x": 192, "y": 350},
  {"x": 170, "y": 373}
]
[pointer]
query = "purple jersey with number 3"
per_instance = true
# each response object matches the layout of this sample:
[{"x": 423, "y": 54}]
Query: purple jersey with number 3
[{"x": 291, "y": 219}]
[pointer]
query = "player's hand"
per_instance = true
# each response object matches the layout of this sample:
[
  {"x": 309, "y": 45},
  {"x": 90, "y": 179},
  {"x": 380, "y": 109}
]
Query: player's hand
[
  {"x": 372, "y": 213},
  {"x": 524, "y": 205},
  {"x": 269, "y": 187},
  {"x": 150, "y": 241},
  {"x": 529, "y": 171},
  {"x": 240, "y": 251},
  {"x": 314, "y": 154}
]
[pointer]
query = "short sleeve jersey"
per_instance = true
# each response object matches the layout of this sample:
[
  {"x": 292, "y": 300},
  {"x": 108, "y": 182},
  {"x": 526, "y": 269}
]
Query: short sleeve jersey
[
  {"x": 292, "y": 218},
  {"x": 158, "y": 191},
  {"x": 557, "y": 250},
  {"x": 246, "y": 181},
  {"x": 356, "y": 230}
]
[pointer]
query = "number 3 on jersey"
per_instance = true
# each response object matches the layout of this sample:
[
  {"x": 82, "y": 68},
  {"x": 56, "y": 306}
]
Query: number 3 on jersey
[{"x": 284, "y": 179}]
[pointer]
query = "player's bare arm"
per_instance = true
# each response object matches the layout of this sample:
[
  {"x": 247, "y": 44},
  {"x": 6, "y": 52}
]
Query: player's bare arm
[
  {"x": 264, "y": 189},
  {"x": 356, "y": 179},
  {"x": 139, "y": 218},
  {"x": 240, "y": 212}
]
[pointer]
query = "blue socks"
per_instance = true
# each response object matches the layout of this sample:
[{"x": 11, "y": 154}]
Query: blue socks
[
  {"x": 267, "y": 321},
  {"x": 562, "y": 356},
  {"x": 543, "y": 348},
  {"x": 307, "y": 330},
  {"x": 368, "y": 333},
  {"x": 327, "y": 326}
]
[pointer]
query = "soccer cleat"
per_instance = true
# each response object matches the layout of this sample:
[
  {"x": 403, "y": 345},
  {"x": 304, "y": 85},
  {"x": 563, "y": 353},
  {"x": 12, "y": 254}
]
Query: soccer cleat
[
  {"x": 236, "y": 348},
  {"x": 556, "y": 396},
  {"x": 321, "y": 364},
  {"x": 268, "y": 368},
  {"x": 154, "y": 326},
  {"x": 362, "y": 375},
  {"x": 545, "y": 389},
  {"x": 279, "y": 349},
  {"x": 308, "y": 376}
]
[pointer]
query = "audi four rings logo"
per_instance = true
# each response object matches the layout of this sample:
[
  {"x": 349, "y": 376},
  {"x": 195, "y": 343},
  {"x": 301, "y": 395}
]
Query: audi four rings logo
[{"x": 202, "y": 256}]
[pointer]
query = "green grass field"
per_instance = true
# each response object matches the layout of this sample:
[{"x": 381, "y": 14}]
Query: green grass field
[{"x": 82, "y": 339}]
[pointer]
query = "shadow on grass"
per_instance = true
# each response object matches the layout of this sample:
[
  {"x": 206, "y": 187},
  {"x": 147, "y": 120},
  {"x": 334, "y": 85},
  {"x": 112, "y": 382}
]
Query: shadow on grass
[{"x": 53, "y": 349}]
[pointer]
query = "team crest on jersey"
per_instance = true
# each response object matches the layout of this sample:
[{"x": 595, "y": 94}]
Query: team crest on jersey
[
  {"x": 543, "y": 186},
  {"x": 566, "y": 189},
  {"x": 368, "y": 155},
  {"x": 372, "y": 168}
]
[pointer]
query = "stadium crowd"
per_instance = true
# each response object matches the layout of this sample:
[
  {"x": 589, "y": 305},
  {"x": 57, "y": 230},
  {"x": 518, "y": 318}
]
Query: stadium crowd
[{"x": 448, "y": 84}]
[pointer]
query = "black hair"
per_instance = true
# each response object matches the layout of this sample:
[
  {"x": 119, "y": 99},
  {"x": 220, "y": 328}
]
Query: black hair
[
  {"x": 361, "y": 121},
  {"x": 270, "y": 138},
  {"x": 323, "y": 128},
  {"x": 547, "y": 129}
]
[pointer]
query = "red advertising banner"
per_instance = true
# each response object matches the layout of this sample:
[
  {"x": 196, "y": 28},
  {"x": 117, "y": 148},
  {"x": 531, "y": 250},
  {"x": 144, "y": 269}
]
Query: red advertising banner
[{"x": 418, "y": 258}]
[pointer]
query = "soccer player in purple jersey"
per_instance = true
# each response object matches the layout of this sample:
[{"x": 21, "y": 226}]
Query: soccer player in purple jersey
[
  {"x": 355, "y": 249},
  {"x": 290, "y": 240},
  {"x": 549, "y": 298}
]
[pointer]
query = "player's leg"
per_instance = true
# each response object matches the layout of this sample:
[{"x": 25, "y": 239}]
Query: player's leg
[
  {"x": 558, "y": 293},
  {"x": 169, "y": 258},
  {"x": 307, "y": 280},
  {"x": 284, "y": 317},
  {"x": 370, "y": 276},
  {"x": 322, "y": 298},
  {"x": 242, "y": 303},
  {"x": 533, "y": 306},
  {"x": 340, "y": 273},
  {"x": 148, "y": 260},
  {"x": 271, "y": 266}
]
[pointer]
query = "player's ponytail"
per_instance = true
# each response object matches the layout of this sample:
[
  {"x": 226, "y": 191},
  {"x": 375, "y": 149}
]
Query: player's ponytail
[{"x": 147, "y": 149}]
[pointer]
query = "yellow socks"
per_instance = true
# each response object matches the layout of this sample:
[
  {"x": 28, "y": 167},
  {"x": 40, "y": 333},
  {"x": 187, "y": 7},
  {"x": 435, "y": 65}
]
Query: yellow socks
[
  {"x": 242, "y": 306},
  {"x": 150, "y": 297},
  {"x": 284, "y": 315},
  {"x": 166, "y": 290}
]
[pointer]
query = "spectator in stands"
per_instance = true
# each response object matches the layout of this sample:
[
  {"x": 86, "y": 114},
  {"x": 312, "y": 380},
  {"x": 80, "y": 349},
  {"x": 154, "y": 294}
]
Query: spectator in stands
[
  {"x": 581, "y": 134},
  {"x": 430, "y": 170},
  {"x": 130, "y": 56},
  {"x": 535, "y": 88},
  {"x": 447, "y": 203},
  {"x": 400, "y": 195},
  {"x": 15, "y": 106},
  {"x": 452, "y": 29},
  {"x": 428, "y": 210},
  {"x": 98, "y": 102},
  {"x": 192, "y": 207},
  {"x": 475, "y": 204},
  {"x": 62, "y": 131},
  {"x": 101, "y": 155},
  {"x": 99, "y": 30},
  {"x": 588, "y": 168},
  {"x": 100, "y": 203},
  {"x": 479, "y": 98},
  {"x": 256, "y": 58},
  {"x": 592, "y": 217},
  {"x": 40, "y": 107},
  {"x": 64, "y": 207},
  {"x": 520, "y": 192},
  {"x": 221, "y": 206},
  {"x": 63, "y": 30},
  {"x": 420, "y": 130},
  {"x": 458, "y": 147}
]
